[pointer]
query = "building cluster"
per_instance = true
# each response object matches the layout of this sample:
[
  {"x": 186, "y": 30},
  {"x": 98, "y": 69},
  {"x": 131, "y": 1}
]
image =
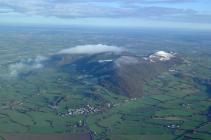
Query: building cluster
[
  {"x": 88, "y": 109},
  {"x": 84, "y": 110},
  {"x": 173, "y": 126}
]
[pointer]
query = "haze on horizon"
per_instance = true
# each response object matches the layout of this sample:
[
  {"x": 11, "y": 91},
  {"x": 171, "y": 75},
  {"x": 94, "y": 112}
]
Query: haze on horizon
[{"x": 190, "y": 14}]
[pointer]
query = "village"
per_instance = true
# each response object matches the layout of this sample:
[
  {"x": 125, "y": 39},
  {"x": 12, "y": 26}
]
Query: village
[{"x": 88, "y": 109}]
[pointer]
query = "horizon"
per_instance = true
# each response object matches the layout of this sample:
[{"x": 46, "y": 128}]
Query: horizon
[{"x": 103, "y": 28}]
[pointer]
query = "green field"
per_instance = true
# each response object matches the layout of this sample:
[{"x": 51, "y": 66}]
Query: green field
[{"x": 175, "y": 105}]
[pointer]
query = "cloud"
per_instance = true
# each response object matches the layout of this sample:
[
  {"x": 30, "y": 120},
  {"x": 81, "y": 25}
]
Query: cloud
[
  {"x": 129, "y": 1},
  {"x": 6, "y": 10},
  {"x": 168, "y": 1},
  {"x": 94, "y": 8},
  {"x": 126, "y": 60},
  {"x": 26, "y": 66},
  {"x": 91, "y": 49},
  {"x": 144, "y": 9}
]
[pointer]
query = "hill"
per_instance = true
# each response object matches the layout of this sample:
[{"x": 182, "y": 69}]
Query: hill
[{"x": 122, "y": 73}]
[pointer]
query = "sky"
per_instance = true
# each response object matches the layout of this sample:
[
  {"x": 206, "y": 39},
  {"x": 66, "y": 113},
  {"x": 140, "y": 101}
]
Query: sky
[{"x": 191, "y": 14}]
